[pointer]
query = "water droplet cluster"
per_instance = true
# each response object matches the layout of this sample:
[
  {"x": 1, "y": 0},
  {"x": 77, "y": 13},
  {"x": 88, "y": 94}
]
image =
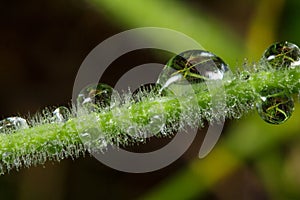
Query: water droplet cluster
[
  {"x": 276, "y": 105},
  {"x": 103, "y": 117}
]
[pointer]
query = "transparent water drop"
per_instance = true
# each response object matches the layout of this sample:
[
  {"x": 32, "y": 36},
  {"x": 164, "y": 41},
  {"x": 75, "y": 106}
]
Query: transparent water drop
[
  {"x": 276, "y": 107},
  {"x": 93, "y": 140},
  {"x": 194, "y": 66},
  {"x": 131, "y": 130},
  {"x": 156, "y": 124},
  {"x": 282, "y": 55},
  {"x": 61, "y": 114},
  {"x": 12, "y": 124},
  {"x": 95, "y": 96}
]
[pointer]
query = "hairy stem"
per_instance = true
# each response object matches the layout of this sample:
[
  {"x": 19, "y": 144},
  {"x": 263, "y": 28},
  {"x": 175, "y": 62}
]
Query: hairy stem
[{"x": 56, "y": 141}]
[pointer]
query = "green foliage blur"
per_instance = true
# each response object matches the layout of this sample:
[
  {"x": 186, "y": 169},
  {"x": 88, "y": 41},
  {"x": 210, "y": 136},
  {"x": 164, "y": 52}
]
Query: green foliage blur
[{"x": 44, "y": 44}]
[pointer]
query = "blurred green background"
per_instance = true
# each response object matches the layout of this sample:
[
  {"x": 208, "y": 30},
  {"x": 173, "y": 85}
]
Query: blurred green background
[{"x": 42, "y": 44}]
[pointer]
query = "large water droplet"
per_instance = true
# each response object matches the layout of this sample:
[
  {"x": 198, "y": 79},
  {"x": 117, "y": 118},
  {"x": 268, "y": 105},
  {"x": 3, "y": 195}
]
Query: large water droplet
[
  {"x": 193, "y": 66},
  {"x": 282, "y": 55},
  {"x": 61, "y": 114},
  {"x": 95, "y": 96},
  {"x": 276, "y": 106},
  {"x": 12, "y": 124}
]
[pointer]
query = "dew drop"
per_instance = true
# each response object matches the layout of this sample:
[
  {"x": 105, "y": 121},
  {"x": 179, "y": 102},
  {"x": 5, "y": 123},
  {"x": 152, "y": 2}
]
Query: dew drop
[
  {"x": 95, "y": 96},
  {"x": 276, "y": 107},
  {"x": 93, "y": 140},
  {"x": 12, "y": 124},
  {"x": 131, "y": 130},
  {"x": 194, "y": 66},
  {"x": 282, "y": 55},
  {"x": 61, "y": 114},
  {"x": 156, "y": 124}
]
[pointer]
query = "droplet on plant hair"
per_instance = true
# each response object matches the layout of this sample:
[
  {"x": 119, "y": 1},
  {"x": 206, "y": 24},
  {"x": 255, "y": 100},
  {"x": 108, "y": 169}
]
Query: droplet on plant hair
[
  {"x": 276, "y": 106},
  {"x": 12, "y": 124},
  {"x": 93, "y": 141},
  {"x": 194, "y": 66},
  {"x": 61, "y": 114},
  {"x": 149, "y": 90},
  {"x": 157, "y": 124},
  {"x": 95, "y": 96},
  {"x": 282, "y": 55}
]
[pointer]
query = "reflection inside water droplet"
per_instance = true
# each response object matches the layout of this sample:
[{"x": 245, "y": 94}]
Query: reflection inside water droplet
[
  {"x": 95, "y": 96},
  {"x": 276, "y": 107},
  {"x": 193, "y": 66},
  {"x": 61, "y": 114},
  {"x": 282, "y": 55}
]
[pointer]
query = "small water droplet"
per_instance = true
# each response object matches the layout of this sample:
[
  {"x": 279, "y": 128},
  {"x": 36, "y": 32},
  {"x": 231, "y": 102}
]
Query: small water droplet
[
  {"x": 95, "y": 96},
  {"x": 93, "y": 140},
  {"x": 194, "y": 66},
  {"x": 156, "y": 124},
  {"x": 61, "y": 114},
  {"x": 282, "y": 55},
  {"x": 131, "y": 130},
  {"x": 276, "y": 106},
  {"x": 12, "y": 124}
]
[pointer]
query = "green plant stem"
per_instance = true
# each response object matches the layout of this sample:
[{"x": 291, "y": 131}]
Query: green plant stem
[
  {"x": 231, "y": 153},
  {"x": 56, "y": 141}
]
